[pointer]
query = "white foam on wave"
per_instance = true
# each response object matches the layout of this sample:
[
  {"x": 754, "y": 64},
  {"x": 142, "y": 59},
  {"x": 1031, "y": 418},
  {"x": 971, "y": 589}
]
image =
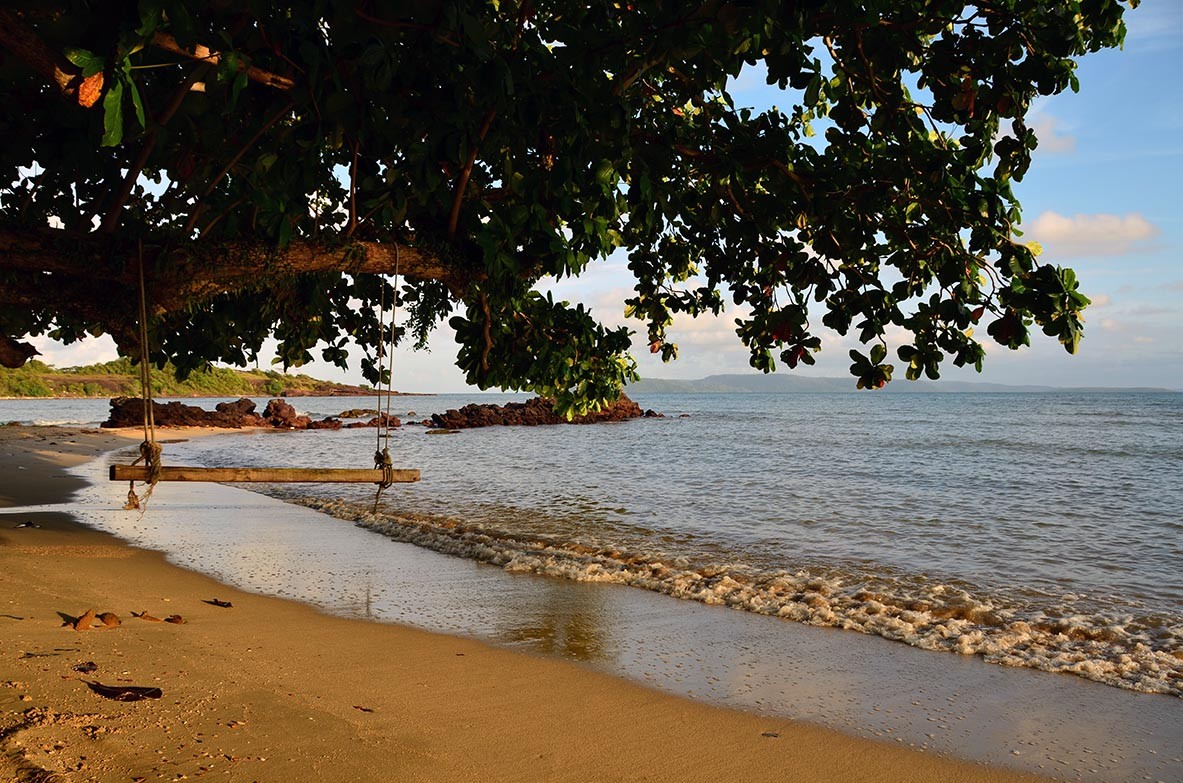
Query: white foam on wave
[{"x": 1139, "y": 654}]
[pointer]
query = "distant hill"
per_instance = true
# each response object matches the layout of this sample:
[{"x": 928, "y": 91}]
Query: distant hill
[
  {"x": 782, "y": 384},
  {"x": 120, "y": 378}
]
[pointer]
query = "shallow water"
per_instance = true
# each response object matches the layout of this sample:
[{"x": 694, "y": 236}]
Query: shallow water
[{"x": 1035, "y": 530}]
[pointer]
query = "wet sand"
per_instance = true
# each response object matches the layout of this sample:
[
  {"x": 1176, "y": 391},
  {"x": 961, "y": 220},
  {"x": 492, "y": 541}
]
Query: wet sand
[{"x": 275, "y": 690}]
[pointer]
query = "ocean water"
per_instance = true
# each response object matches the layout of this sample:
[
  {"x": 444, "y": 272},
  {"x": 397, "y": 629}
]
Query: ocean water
[{"x": 1031, "y": 530}]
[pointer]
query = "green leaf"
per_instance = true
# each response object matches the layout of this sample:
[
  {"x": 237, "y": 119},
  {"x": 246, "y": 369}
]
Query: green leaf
[
  {"x": 136, "y": 101},
  {"x": 88, "y": 61},
  {"x": 113, "y": 115},
  {"x": 240, "y": 81}
]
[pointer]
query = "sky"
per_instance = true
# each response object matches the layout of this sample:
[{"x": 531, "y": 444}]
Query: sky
[{"x": 1104, "y": 196}]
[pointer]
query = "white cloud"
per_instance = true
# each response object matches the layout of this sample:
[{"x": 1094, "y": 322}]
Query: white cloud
[
  {"x": 91, "y": 350},
  {"x": 1090, "y": 235},
  {"x": 1051, "y": 136},
  {"x": 1099, "y": 301}
]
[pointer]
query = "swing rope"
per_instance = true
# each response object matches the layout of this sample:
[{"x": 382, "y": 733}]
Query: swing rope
[
  {"x": 382, "y": 446},
  {"x": 150, "y": 450}
]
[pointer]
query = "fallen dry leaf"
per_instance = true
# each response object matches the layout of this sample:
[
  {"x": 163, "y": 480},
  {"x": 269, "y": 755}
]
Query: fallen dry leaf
[
  {"x": 84, "y": 622},
  {"x": 124, "y": 692}
]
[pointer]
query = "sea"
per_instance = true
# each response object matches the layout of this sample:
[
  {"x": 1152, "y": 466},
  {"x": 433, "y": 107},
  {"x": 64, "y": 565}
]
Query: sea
[{"x": 1034, "y": 531}]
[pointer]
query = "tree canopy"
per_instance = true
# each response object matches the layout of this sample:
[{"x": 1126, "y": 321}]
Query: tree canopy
[{"x": 274, "y": 163}]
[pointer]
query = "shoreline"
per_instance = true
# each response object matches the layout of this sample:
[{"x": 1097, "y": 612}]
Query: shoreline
[
  {"x": 278, "y": 680},
  {"x": 231, "y": 396}
]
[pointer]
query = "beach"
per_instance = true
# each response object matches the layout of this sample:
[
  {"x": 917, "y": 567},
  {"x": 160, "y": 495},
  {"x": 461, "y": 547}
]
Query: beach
[{"x": 274, "y": 690}]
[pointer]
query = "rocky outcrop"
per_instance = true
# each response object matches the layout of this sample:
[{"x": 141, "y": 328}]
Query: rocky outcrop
[
  {"x": 378, "y": 421},
  {"x": 357, "y": 413},
  {"x": 529, "y": 414},
  {"x": 129, "y": 412},
  {"x": 283, "y": 416}
]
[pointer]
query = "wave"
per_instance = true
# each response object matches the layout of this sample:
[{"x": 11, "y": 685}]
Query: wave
[{"x": 1141, "y": 653}]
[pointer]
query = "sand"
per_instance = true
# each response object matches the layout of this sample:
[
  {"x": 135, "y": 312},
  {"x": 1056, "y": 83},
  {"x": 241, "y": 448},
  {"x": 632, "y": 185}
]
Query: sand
[{"x": 273, "y": 690}]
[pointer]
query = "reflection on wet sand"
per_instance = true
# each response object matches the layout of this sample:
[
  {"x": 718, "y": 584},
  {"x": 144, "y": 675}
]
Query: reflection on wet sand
[{"x": 558, "y": 623}]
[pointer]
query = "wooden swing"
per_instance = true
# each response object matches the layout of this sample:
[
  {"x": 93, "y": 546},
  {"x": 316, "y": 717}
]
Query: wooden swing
[{"x": 383, "y": 474}]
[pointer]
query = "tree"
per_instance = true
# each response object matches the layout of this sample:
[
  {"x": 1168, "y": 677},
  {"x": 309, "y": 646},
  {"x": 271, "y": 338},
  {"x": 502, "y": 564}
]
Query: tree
[{"x": 273, "y": 163}]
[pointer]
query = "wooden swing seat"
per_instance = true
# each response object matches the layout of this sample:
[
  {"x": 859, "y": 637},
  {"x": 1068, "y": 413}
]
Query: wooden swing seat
[{"x": 268, "y": 475}]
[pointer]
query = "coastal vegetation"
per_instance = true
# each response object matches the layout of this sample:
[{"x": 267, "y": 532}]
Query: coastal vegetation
[
  {"x": 263, "y": 169},
  {"x": 120, "y": 378}
]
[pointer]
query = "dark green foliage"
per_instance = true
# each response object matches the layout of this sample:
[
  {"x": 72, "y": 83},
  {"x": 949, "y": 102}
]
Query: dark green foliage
[{"x": 509, "y": 141}]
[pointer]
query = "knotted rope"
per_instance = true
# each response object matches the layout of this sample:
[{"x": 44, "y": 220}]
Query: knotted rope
[
  {"x": 382, "y": 449},
  {"x": 150, "y": 450}
]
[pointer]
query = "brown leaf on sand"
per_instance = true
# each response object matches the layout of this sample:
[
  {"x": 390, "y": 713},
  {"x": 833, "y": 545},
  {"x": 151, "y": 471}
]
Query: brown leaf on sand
[
  {"x": 110, "y": 620},
  {"x": 218, "y": 602},
  {"x": 146, "y": 616},
  {"x": 84, "y": 622},
  {"x": 124, "y": 692},
  {"x": 175, "y": 619}
]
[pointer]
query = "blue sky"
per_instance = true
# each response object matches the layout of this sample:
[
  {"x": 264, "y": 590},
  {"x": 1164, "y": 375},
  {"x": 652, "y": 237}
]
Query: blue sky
[{"x": 1104, "y": 196}]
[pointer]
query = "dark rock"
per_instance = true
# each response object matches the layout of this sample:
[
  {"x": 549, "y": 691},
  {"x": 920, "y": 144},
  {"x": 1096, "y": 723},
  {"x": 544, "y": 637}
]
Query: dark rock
[
  {"x": 129, "y": 412},
  {"x": 531, "y": 413},
  {"x": 377, "y": 421},
  {"x": 240, "y": 407},
  {"x": 652, "y": 414},
  {"x": 281, "y": 415},
  {"x": 357, "y": 413}
]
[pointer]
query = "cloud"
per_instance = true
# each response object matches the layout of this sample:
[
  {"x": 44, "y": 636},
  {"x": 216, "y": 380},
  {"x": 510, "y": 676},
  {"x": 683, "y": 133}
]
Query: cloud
[
  {"x": 1100, "y": 300},
  {"x": 1051, "y": 138},
  {"x": 1082, "y": 236},
  {"x": 90, "y": 350}
]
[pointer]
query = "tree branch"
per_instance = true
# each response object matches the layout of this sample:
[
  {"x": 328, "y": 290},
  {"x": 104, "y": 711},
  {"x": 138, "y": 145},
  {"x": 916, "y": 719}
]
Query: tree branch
[
  {"x": 462, "y": 180},
  {"x": 20, "y": 39},
  {"x": 14, "y": 354},
  {"x": 205, "y": 54},
  {"x": 199, "y": 269},
  {"x": 94, "y": 277}
]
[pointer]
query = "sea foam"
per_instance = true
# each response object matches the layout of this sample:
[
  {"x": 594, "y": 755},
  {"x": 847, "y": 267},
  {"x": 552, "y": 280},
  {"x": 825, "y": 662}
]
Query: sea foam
[{"x": 1138, "y": 653}]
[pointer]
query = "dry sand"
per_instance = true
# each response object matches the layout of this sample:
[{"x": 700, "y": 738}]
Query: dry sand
[{"x": 272, "y": 690}]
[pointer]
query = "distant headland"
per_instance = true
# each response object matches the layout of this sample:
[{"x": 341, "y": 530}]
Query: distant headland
[
  {"x": 120, "y": 378},
  {"x": 781, "y": 384}
]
